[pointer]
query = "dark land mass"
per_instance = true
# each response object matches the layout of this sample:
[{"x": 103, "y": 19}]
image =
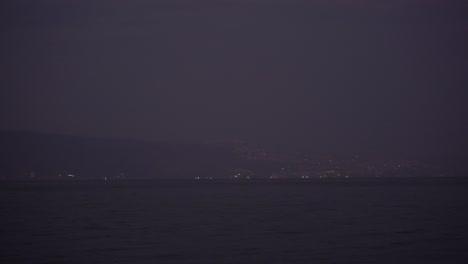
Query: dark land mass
[
  {"x": 30, "y": 155},
  {"x": 40, "y": 156}
]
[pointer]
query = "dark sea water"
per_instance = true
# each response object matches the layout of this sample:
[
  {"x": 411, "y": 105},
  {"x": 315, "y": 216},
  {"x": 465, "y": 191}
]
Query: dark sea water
[{"x": 356, "y": 221}]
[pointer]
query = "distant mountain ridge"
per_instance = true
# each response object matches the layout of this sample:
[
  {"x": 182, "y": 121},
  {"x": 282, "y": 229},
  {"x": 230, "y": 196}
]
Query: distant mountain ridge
[
  {"x": 26, "y": 154},
  {"x": 32, "y": 155}
]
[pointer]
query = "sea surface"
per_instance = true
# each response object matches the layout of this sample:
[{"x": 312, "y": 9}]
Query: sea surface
[{"x": 347, "y": 221}]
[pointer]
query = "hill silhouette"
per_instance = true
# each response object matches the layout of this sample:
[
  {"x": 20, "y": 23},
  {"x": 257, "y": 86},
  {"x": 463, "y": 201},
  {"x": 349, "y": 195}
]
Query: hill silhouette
[{"x": 26, "y": 155}]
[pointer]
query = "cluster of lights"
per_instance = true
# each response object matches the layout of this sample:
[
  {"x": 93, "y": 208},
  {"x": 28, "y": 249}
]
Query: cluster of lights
[
  {"x": 68, "y": 175},
  {"x": 207, "y": 178},
  {"x": 238, "y": 176}
]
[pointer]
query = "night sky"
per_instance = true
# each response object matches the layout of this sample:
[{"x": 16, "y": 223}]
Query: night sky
[{"x": 336, "y": 75}]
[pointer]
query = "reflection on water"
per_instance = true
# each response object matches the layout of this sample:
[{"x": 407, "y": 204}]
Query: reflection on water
[{"x": 226, "y": 223}]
